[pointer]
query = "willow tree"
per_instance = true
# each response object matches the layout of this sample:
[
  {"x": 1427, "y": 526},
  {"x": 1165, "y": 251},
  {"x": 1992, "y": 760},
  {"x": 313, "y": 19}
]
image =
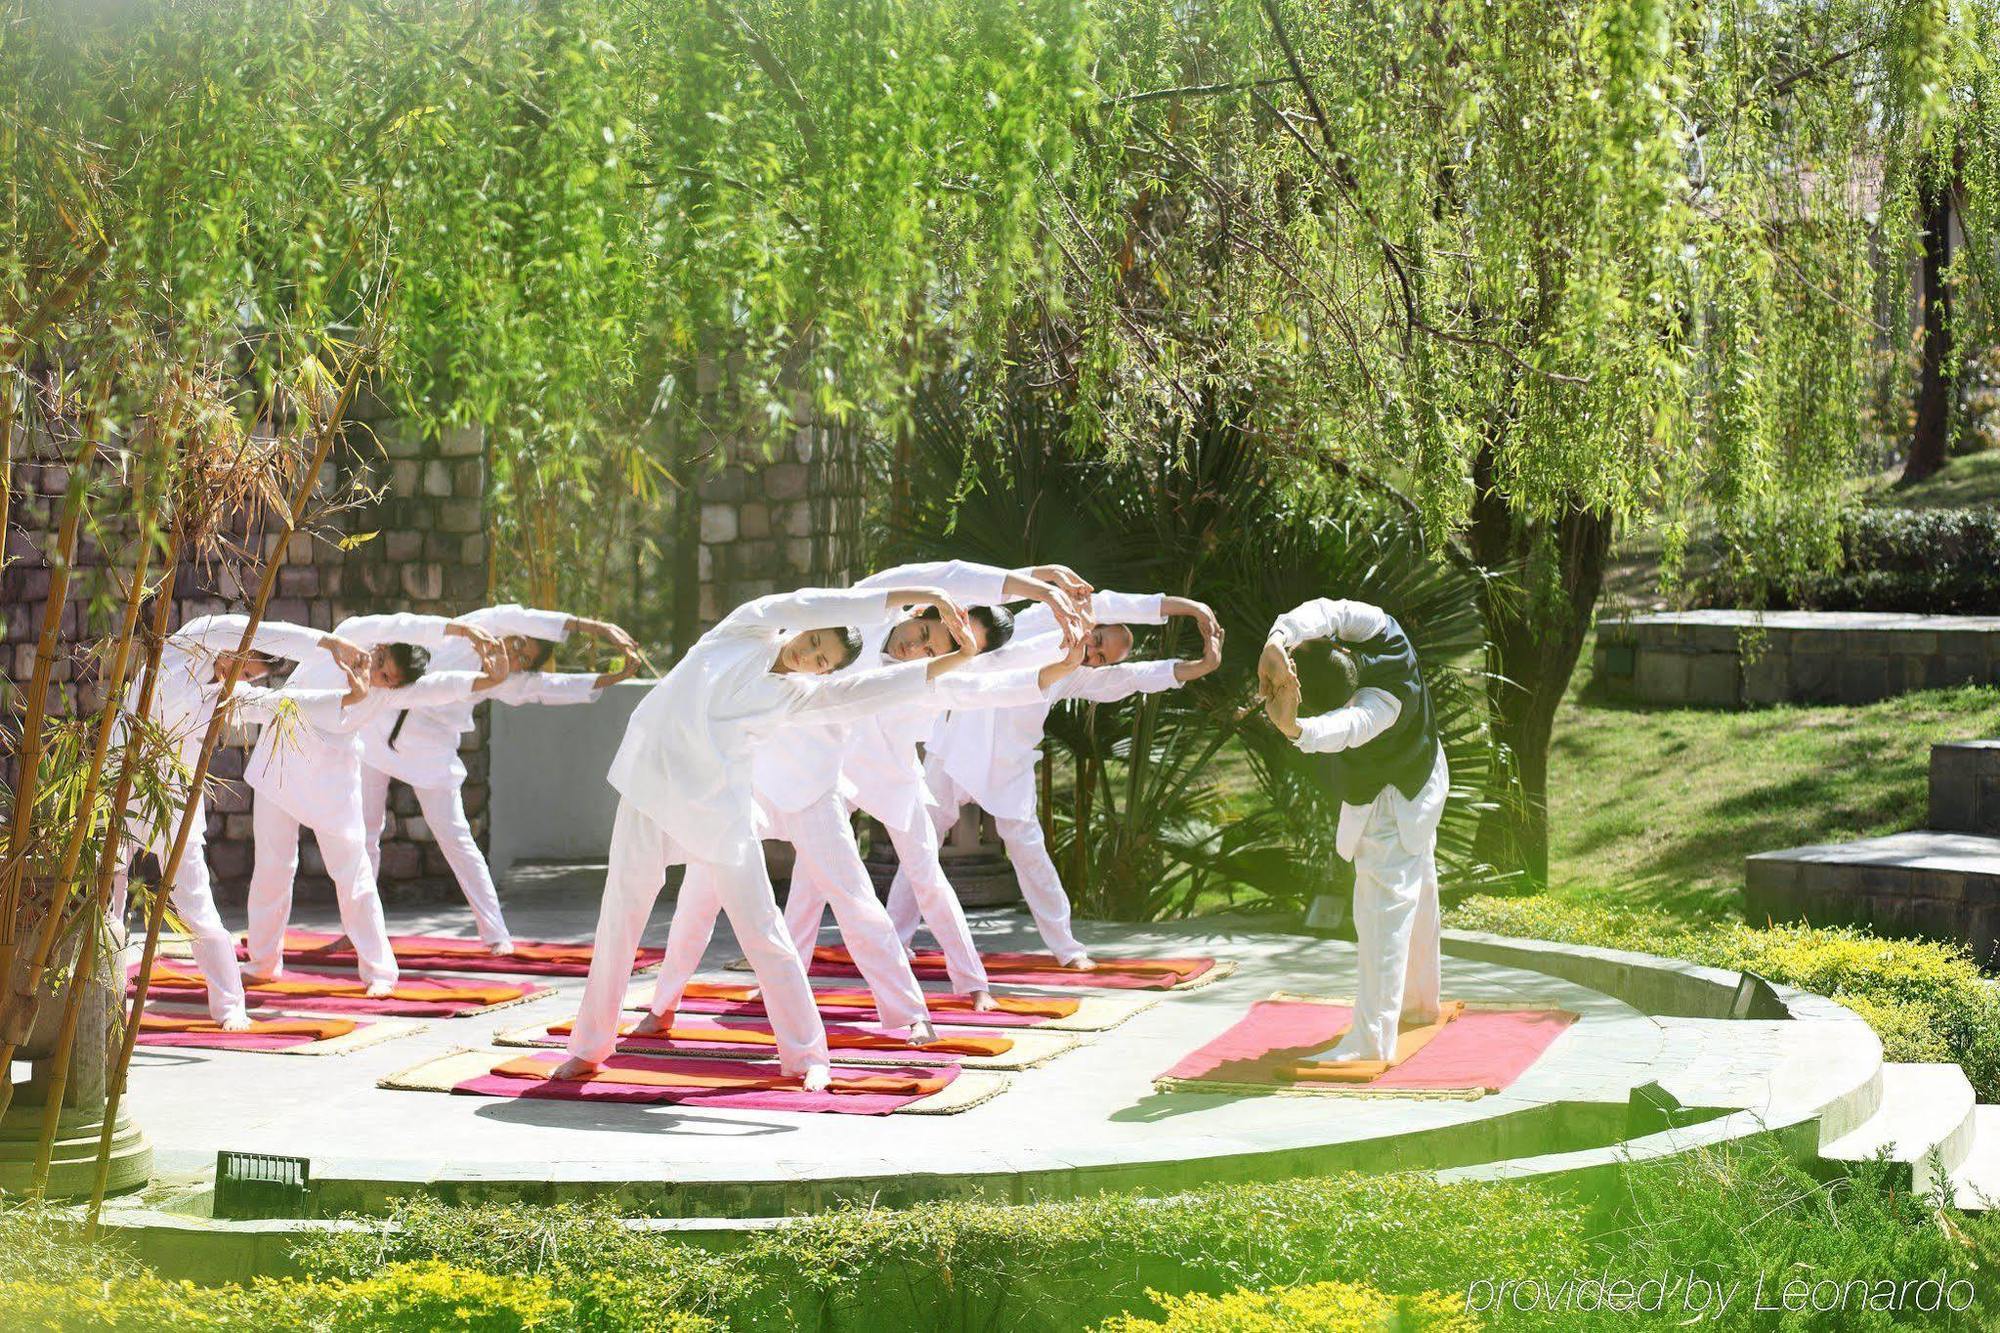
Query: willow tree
[{"x": 1535, "y": 269}]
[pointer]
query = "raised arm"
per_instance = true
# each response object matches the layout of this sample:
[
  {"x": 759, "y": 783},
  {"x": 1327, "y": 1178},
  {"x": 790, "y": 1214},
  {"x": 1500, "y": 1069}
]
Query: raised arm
[
  {"x": 1328, "y": 618},
  {"x": 395, "y": 627},
  {"x": 983, "y": 585},
  {"x": 1372, "y": 713},
  {"x": 512, "y": 618},
  {"x": 811, "y": 608},
  {"x": 553, "y": 688},
  {"x": 847, "y": 695},
  {"x": 221, "y": 634}
]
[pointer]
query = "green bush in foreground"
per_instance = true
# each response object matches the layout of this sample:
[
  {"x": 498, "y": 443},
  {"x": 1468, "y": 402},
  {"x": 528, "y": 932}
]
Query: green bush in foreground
[
  {"x": 1927, "y": 1001},
  {"x": 953, "y": 1265}
]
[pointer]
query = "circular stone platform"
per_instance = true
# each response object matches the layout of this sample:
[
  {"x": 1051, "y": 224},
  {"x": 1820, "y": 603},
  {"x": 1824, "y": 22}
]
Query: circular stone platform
[{"x": 1086, "y": 1121}]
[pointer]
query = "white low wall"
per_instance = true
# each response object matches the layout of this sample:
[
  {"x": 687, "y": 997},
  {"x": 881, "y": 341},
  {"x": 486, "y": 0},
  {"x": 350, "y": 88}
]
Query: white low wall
[{"x": 550, "y": 799}]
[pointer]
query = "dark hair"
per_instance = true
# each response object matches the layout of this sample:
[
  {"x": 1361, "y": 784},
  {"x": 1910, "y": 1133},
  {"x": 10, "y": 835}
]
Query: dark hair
[
  {"x": 543, "y": 650},
  {"x": 850, "y": 640},
  {"x": 1328, "y": 676},
  {"x": 997, "y": 621},
  {"x": 411, "y": 662}
]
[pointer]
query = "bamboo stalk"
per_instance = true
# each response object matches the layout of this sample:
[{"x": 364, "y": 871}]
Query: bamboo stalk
[
  {"x": 58, "y": 1072},
  {"x": 329, "y": 432},
  {"x": 12, "y": 1030}
]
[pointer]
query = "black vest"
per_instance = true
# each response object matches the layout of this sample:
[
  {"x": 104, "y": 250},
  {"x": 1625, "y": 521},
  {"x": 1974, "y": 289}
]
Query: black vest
[{"x": 1403, "y": 756}]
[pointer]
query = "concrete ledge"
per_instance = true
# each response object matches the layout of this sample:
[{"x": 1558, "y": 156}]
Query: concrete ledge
[{"x": 1734, "y": 659}]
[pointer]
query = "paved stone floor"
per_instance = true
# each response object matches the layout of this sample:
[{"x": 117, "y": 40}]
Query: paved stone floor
[{"x": 1091, "y": 1108}]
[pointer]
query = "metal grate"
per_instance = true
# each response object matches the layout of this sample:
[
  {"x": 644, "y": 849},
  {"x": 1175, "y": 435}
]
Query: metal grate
[{"x": 249, "y": 1184}]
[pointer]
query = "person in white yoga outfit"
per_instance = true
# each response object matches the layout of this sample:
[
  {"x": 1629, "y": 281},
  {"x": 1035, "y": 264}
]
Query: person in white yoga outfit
[
  {"x": 186, "y": 692},
  {"x": 684, "y": 780},
  {"x": 882, "y": 774},
  {"x": 311, "y": 778},
  {"x": 799, "y": 778},
  {"x": 987, "y": 758},
  {"x": 1382, "y": 756},
  {"x": 419, "y": 746}
]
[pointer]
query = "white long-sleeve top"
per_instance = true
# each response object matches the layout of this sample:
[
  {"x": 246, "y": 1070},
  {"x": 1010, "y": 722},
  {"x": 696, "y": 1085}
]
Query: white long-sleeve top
[
  {"x": 803, "y": 763},
  {"x": 686, "y": 759},
  {"x": 426, "y": 750},
  {"x": 313, "y": 771},
  {"x": 1369, "y": 714},
  {"x": 991, "y": 754}
]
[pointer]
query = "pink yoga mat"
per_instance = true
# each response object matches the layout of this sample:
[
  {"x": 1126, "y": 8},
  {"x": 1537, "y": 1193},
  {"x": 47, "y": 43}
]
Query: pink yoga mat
[
  {"x": 211, "y": 1040},
  {"x": 445, "y": 953},
  {"x": 833, "y": 1103},
  {"x": 1038, "y": 969},
  {"x": 1481, "y": 1048}
]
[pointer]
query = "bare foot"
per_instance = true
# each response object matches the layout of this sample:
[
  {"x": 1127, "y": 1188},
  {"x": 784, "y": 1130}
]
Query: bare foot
[
  {"x": 755, "y": 994},
  {"x": 258, "y": 976},
  {"x": 381, "y": 990},
  {"x": 922, "y": 1033},
  {"x": 1081, "y": 963},
  {"x": 336, "y": 945},
  {"x": 501, "y": 950},
  {"x": 653, "y": 1025},
  {"x": 817, "y": 1079},
  {"x": 573, "y": 1068},
  {"x": 236, "y": 1022},
  {"x": 983, "y": 1002}
]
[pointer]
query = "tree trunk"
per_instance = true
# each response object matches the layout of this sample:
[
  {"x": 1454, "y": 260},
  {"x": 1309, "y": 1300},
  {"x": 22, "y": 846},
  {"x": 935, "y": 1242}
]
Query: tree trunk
[
  {"x": 1536, "y": 641},
  {"x": 1930, "y": 438}
]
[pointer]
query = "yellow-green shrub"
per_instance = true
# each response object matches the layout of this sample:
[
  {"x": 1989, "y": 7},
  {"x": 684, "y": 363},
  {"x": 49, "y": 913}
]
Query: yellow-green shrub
[
  {"x": 1319, "y": 1307},
  {"x": 1927, "y": 1000},
  {"x": 414, "y": 1296}
]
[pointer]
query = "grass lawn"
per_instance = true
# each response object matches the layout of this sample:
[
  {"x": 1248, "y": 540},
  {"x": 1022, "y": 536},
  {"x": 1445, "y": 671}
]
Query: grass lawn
[{"x": 1658, "y": 807}]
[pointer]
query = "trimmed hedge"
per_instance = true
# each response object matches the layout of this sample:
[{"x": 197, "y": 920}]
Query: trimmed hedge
[
  {"x": 1937, "y": 561},
  {"x": 1927, "y": 1000},
  {"x": 956, "y": 1265},
  {"x": 1321, "y": 1307}
]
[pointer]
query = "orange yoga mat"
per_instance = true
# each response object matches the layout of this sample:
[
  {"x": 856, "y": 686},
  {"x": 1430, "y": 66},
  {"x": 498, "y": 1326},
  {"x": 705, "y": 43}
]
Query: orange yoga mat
[
  {"x": 640, "y": 1071},
  {"x": 836, "y": 1039},
  {"x": 316, "y": 1029},
  {"x": 1408, "y": 1042}
]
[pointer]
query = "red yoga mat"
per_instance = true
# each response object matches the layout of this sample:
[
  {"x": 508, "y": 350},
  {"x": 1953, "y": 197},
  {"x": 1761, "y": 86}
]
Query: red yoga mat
[
  {"x": 736, "y": 1084},
  {"x": 1037, "y": 969},
  {"x": 415, "y": 997},
  {"x": 1016, "y": 1011},
  {"x": 263, "y": 1034},
  {"x": 1481, "y": 1048},
  {"x": 445, "y": 953}
]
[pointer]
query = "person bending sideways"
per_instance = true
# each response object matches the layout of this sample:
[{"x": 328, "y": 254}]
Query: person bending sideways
[
  {"x": 1352, "y": 665},
  {"x": 684, "y": 779},
  {"x": 186, "y": 693},
  {"x": 987, "y": 758},
  {"x": 808, "y": 786},
  {"x": 310, "y": 777},
  {"x": 419, "y": 746}
]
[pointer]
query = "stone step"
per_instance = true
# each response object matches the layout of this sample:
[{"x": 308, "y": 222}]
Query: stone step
[
  {"x": 1976, "y": 1181},
  {"x": 1925, "y": 1124},
  {"x": 1931, "y": 883},
  {"x": 1965, "y": 787}
]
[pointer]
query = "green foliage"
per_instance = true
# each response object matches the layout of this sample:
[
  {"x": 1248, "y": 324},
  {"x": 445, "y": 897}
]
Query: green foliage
[
  {"x": 1320, "y": 1307},
  {"x": 977, "y": 1265},
  {"x": 1210, "y": 514},
  {"x": 1926, "y": 1000},
  {"x": 1934, "y": 561}
]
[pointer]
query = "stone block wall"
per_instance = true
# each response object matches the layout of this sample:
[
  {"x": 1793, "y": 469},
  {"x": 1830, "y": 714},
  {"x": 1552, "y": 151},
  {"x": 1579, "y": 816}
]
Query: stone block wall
[
  {"x": 428, "y": 554},
  {"x": 775, "y": 519},
  {"x": 1965, "y": 787},
  {"x": 1733, "y": 659}
]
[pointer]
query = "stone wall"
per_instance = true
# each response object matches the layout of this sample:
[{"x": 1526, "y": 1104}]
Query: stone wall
[
  {"x": 772, "y": 520},
  {"x": 1730, "y": 659},
  {"x": 428, "y": 554}
]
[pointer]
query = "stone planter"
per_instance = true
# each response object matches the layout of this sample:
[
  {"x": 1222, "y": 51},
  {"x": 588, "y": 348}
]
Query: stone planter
[
  {"x": 974, "y": 861},
  {"x": 81, "y": 1118}
]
